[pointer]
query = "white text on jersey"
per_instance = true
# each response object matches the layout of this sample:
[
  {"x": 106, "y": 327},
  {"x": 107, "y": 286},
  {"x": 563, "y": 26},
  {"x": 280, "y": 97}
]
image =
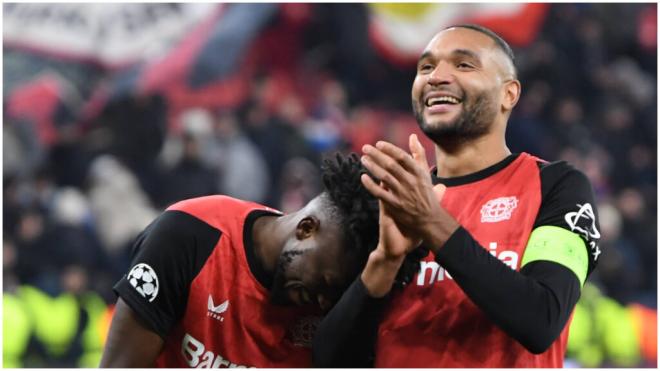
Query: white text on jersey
[
  {"x": 196, "y": 355},
  {"x": 430, "y": 272}
]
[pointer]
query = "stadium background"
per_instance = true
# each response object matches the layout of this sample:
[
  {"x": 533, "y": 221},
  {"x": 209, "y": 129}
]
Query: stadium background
[{"x": 112, "y": 112}]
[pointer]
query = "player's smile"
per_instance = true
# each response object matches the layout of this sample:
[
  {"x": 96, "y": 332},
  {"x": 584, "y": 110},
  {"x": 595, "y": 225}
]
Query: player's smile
[{"x": 437, "y": 102}]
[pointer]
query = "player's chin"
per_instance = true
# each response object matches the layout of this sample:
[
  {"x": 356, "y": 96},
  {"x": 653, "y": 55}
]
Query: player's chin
[
  {"x": 441, "y": 118},
  {"x": 435, "y": 123}
]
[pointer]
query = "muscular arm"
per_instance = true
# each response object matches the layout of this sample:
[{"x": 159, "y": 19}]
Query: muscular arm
[
  {"x": 173, "y": 248},
  {"x": 130, "y": 343}
]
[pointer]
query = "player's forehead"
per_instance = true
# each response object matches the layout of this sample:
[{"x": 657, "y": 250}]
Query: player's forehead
[{"x": 459, "y": 39}]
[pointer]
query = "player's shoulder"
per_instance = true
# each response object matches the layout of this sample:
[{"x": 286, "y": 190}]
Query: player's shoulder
[
  {"x": 206, "y": 203},
  {"x": 176, "y": 227},
  {"x": 557, "y": 168},
  {"x": 212, "y": 208},
  {"x": 561, "y": 175},
  {"x": 219, "y": 211}
]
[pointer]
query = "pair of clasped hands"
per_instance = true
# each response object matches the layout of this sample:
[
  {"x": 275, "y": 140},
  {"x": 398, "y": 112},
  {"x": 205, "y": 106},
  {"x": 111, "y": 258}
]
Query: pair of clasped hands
[{"x": 410, "y": 208}]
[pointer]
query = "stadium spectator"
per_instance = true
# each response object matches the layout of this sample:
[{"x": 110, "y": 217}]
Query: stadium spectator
[
  {"x": 234, "y": 153},
  {"x": 120, "y": 208},
  {"x": 191, "y": 176}
]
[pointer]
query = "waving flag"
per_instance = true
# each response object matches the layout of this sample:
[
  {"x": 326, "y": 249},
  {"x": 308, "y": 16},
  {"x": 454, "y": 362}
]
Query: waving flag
[
  {"x": 400, "y": 31},
  {"x": 111, "y": 34},
  {"x": 212, "y": 65},
  {"x": 195, "y": 54}
]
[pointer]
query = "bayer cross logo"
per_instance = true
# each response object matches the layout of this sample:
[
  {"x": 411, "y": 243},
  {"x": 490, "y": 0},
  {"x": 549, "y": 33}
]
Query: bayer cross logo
[
  {"x": 145, "y": 281},
  {"x": 498, "y": 209},
  {"x": 302, "y": 332}
]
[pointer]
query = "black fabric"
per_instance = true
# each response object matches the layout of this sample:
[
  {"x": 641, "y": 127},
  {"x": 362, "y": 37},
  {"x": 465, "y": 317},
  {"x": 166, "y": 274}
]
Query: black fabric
[
  {"x": 532, "y": 305},
  {"x": 535, "y": 318},
  {"x": 566, "y": 191},
  {"x": 257, "y": 269},
  {"x": 356, "y": 321},
  {"x": 471, "y": 178},
  {"x": 176, "y": 246}
]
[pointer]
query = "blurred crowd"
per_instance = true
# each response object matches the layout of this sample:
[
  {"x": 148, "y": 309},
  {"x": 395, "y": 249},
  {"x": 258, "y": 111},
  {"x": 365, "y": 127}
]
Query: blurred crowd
[{"x": 72, "y": 209}]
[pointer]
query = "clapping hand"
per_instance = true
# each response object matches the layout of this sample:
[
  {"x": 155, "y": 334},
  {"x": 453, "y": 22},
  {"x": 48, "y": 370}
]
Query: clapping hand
[{"x": 407, "y": 196}]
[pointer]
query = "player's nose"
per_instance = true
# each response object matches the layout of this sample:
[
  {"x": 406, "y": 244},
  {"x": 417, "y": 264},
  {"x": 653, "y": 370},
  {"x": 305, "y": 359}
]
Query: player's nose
[{"x": 441, "y": 74}]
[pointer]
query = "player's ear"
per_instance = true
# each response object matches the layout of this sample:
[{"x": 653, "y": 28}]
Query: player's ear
[
  {"x": 307, "y": 226},
  {"x": 512, "y": 90}
]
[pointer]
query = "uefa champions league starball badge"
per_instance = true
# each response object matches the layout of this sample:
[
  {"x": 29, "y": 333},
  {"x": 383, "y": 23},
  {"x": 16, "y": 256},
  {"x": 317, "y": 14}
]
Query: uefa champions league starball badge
[{"x": 145, "y": 281}]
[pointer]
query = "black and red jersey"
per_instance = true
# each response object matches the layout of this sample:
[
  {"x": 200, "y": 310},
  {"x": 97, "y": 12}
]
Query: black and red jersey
[
  {"x": 467, "y": 306},
  {"x": 432, "y": 323},
  {"x": 196, "y": 282}
]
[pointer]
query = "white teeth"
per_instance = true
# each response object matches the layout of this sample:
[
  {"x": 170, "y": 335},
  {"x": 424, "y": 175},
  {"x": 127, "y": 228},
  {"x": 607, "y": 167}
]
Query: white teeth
[{"x": 439, "y": 100}]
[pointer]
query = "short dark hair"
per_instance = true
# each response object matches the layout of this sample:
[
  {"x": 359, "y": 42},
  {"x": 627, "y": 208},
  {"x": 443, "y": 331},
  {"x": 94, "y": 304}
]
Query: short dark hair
[
  {"x": 499, "y": 41},
  {"x": 357, "y": 211},
  {"x": 356, "y": 208}
]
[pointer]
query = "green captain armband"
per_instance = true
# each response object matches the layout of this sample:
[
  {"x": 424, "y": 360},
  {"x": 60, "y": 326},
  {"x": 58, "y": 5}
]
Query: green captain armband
[{"x": 558, "y": 245}]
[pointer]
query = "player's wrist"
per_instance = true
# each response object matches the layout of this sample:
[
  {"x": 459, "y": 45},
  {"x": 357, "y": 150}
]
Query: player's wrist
[
  {"x": 437, "y": 231},
  {"x": 379, "y": 273},
  {"x": 383, "y": 255}
]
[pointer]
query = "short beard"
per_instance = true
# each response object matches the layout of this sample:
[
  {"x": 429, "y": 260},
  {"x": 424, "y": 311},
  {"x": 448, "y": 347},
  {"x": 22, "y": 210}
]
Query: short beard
[
  {"x": 278, "y": 294},
  {"x": 474, "y": 122}
]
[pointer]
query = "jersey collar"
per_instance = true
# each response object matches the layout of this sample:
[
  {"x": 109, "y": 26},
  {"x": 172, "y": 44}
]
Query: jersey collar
[
  {"x": 474, "y": 177},
  {"x": 257, "y": 269}
]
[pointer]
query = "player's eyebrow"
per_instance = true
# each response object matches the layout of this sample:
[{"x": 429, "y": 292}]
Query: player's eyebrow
[
  {"x": 456, "y": 52},
  {"x": 424, "y": 55},
  {"x": 466, "y": 53}
]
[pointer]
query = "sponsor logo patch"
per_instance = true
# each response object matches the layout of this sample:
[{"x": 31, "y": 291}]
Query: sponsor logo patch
[
  {"x": 583, "y": 222},
  {"x": 215, "y": 311}
]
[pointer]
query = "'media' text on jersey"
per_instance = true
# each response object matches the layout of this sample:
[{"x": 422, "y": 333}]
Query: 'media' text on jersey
[{"x": 430, "y": 271}]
